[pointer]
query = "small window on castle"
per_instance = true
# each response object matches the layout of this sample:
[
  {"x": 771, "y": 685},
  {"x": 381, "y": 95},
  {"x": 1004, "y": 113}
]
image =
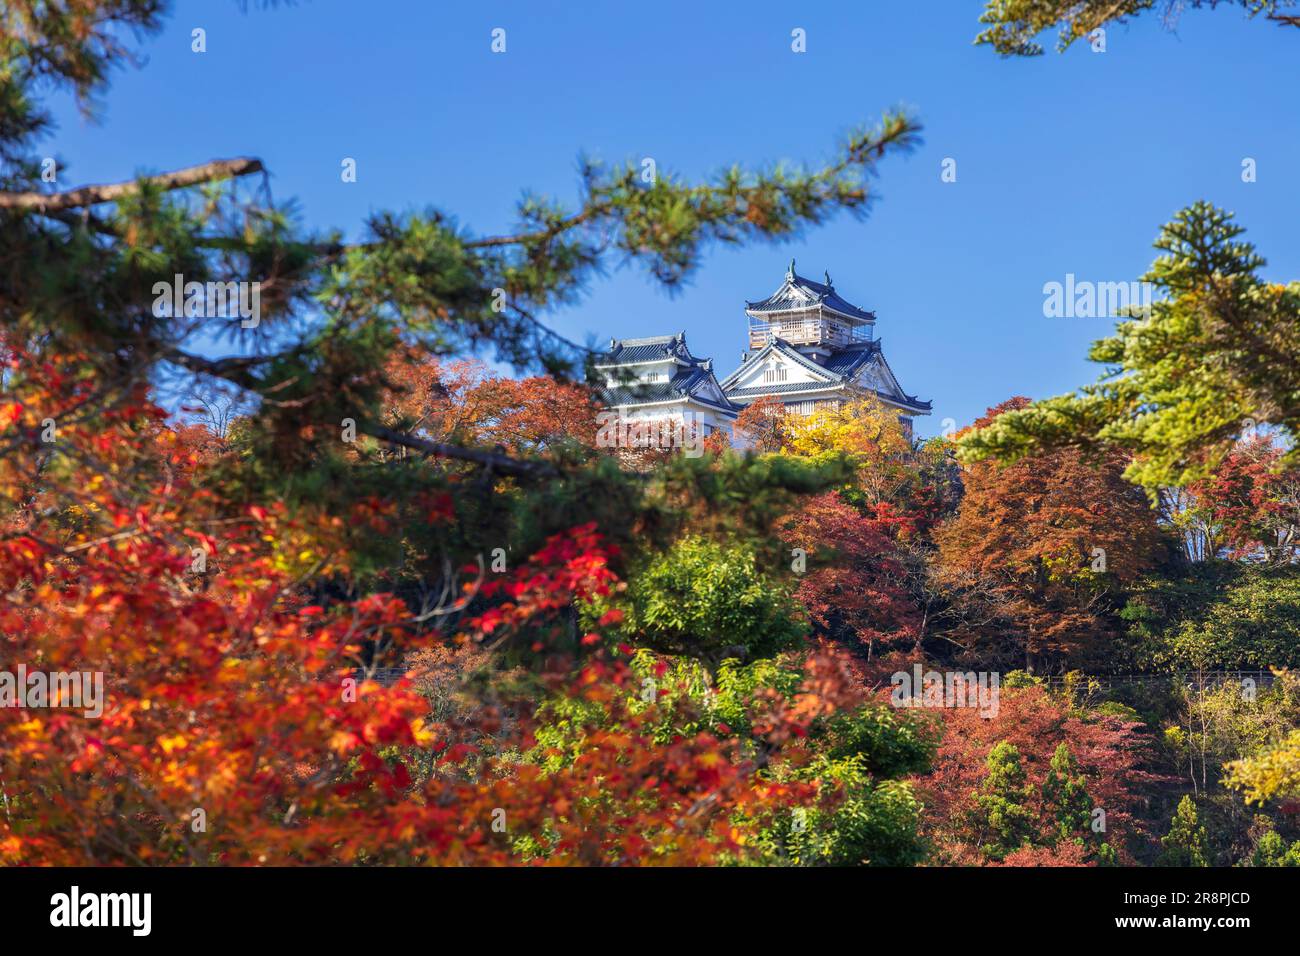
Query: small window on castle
[{"x": 774, "y": 373}]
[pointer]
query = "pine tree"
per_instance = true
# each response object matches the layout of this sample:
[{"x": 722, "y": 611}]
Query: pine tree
[
  {"x": 1065, "y": 795},
  {"x": 1271, "y": 850},
  {"x": 1185, "y": 844},
  {"x": 1216, "y": 353},
  {"x": 1007, "y": 819}
]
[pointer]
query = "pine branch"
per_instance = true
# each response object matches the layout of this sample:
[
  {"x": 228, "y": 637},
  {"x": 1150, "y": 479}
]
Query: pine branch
[
  {"x": 47, "y": 203},
  {"x": 571, "y": 222},
  {"x": 493, "y": 460},
  {"x": 236, "y": 369}
]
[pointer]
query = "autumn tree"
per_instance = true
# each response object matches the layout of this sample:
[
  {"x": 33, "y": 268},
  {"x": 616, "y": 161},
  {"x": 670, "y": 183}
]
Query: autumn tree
[
  {"x": 231, "y": 594},
  {"x": 870, "y": 433},
  {"x": 1045, "y": 544},
  {"x": 851, "y": 575},
  {"x": 763, "y": 424},
  {"x": 1255, "y": 502},
  {"x": 461, "y": 402},
  {"x": 1001, "y": 788},
  {"x": 1271, "y": 774}
]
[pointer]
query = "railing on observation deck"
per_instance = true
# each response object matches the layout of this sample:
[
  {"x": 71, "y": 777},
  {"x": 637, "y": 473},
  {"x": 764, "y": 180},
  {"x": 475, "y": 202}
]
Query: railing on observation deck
[{"x": 803, "y": 331}]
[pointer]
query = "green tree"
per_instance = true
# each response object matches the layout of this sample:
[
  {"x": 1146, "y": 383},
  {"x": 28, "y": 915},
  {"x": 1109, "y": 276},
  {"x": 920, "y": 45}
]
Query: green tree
[
  {"x": 869, "y": 823},
  {"x": 710, "y": 600},
  {"x": 1065, "y": 795},
  {"x": 1209, "y": 616},
  {"x": 1003, "y": 803},
  {"x": 1216, "y": 355},
  {"x": 1271, "y": 850},
  {"x": 866, "y": 814},
  {"x": 1185, "y": 844}
]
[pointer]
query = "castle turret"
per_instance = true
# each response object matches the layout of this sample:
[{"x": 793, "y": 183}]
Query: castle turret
[
  {"x": 809, "y": 315},
  {"x": 810, "y": 347}
]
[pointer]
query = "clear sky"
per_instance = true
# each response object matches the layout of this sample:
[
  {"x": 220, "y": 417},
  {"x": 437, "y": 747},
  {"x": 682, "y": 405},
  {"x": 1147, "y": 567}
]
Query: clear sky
[{"x": 1065, "y": 164}]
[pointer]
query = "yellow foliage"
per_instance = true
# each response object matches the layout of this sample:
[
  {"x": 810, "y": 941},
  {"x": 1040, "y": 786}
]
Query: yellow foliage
[
  {"x": 866, "y": 430},
  {"x": 862, "y": 427},
  {"x": 1272, "y": 774}
]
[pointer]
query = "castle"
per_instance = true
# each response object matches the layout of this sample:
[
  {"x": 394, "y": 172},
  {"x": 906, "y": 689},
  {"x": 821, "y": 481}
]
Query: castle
[{"x": 808, "y": 348}]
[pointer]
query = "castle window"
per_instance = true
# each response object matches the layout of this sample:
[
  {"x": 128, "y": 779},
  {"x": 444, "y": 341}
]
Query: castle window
[{"x": 774, "y": 373}]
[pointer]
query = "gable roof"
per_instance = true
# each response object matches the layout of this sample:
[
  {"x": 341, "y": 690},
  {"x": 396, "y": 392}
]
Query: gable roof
[
  {"x": 800, "y": 294},
  {"x": 839, "y": 370},
  {"x": 911, "y": 401}
]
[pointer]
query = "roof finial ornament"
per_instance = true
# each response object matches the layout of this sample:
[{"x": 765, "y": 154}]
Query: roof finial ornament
[
  {"x": 789, "y": 274},
  {"x": 828, "y": 278}
]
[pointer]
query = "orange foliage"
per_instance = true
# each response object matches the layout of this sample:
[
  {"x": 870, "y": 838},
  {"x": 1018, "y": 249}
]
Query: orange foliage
[
  {"x": 1042, "y": 540},
  {"x": 232, "y": 732},
  {"x": 462, "y": 401}
]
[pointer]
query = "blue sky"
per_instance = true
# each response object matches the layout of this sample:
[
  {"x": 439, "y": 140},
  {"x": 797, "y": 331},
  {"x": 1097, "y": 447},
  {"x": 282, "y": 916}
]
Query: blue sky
[{"x": 1065, "y": 164}]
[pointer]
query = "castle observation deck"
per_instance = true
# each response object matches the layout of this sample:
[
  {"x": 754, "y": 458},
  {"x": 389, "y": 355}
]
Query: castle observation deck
[{"x": 810, "y": 314}]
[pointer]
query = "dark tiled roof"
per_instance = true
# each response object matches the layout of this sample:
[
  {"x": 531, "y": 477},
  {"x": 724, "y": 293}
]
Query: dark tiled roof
[
  {"x": 638, "y": 394},
  {"x": 847, "y": 362},
  {"x": 798, "y": 293},
  {"x": 682, "y": 385},
  {"x": 658, "y": 348},
  {"x": 902, "y": 398}
]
